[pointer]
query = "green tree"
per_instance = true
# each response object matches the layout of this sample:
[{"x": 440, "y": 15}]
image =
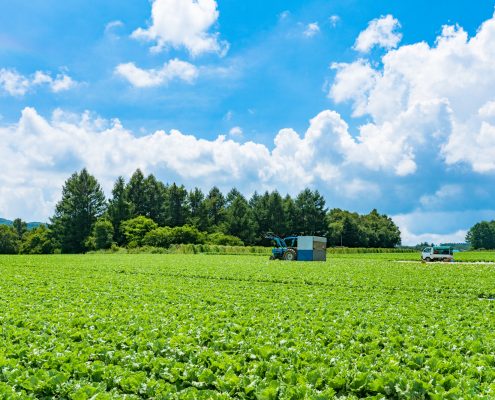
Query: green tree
[
  {"x": 290, "y": 212},
  {"x": 198, "y": 215},
  {"x": 102, "y": 234},
  {"x": 136, "y": 229},
  {"x": 345, "y": 229},
  {"x": 82, "y": 203},
  {"x": 9, "y": 241},
  {"x": 177, "y": 206},
  {"x": 155, "y": 194},
  {"x": 381, "y": 230},
  {"x": 259, "y": 205},
  {"x": 482, "y": 235},
  {"x": 20, "y": 227},
  {"x": 239, "y": 219},
  {"x": 276, "y": 214},
  {"x": 119, "y": 209},
  {"x": 38, "y": 241},
  {"x": 136, "y": 194},
  {"x": 310, "y": 213},
  {"x": 215, "y": 208}
]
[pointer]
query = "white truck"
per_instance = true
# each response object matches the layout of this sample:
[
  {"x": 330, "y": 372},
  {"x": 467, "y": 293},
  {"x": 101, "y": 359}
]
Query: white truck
[{"x": 437, "y": 253}]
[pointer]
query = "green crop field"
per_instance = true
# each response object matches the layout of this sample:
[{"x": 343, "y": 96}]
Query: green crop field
[{"x": 208, "y": 327}]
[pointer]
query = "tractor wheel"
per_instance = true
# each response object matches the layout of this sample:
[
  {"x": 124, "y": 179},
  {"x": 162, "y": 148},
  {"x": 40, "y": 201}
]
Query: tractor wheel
[
  {"x": 290, "y": 255},
  {"x": 272, "y": 257},
  {"x": 427, "y": 259}
]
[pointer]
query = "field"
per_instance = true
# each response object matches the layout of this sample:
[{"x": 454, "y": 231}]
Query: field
[{"x": 218, "y": 327}]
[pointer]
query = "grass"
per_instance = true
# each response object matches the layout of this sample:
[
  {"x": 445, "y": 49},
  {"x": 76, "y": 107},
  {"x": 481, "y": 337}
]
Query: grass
[{"x": 204, "y": 326}]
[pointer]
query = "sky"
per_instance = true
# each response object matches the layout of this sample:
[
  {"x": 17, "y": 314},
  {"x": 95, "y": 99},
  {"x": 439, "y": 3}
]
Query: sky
[{"x": 375, "y": 103}]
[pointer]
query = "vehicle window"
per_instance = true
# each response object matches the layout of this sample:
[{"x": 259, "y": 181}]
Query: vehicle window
[
  {"x": 426, "y": 250},
  {"x": 291, "y": 242}
]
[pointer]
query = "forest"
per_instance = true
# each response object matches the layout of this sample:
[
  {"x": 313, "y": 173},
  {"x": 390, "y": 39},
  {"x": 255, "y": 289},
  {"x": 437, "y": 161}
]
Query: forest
[{"x": 147, "y": 212}]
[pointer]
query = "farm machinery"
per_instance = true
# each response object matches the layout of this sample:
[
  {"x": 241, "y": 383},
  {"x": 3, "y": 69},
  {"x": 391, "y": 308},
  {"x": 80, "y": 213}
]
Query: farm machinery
[{"x": 298, "y": 248}]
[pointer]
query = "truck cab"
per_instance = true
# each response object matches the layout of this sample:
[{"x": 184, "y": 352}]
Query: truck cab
[{"x": 437, "y": 253}]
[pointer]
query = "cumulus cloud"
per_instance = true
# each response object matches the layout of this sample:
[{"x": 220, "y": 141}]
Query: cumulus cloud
[
  {"x": 174, "y": 69},
  {"x": 311, "y": 29},
  {"x": 426, "y": 101},
  {"x": 380, "y": 32},
  {"x": 183, "y": 23},
  {"x": 38, "y": 154},
  {"x": 16, "y": 84}
]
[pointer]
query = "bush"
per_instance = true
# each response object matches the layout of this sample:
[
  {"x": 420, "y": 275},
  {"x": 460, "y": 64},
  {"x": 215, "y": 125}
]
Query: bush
[
  {"x": 38, "y": 241},
  {"x": 159, "y": 237},
  {"x": 103, "y": 234},
  {"x": 9, "y": 243},
  {"x": 166, "y": 236},
  {"x": 135, "y": 230},
  {"x": 188, "y": 235},
  {"x": 222, "y": 239}
]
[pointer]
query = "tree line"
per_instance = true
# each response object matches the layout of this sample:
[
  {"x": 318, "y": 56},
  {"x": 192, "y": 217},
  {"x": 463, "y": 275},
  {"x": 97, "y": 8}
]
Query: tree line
[
  {"x": 145, "y": 211},
  {"x": 482, "y": 235}
]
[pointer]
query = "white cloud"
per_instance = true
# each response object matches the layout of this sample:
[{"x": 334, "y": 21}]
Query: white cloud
[
  {"x": 16, "y": 84},
  {"x": 380, "y": 32},
  {"x": 174, "y": 69},
  {"x": 183, "y": 23},
  {"x": 446, "y": 194},
  {"x": 236, "y": 132},
  {"x": 426, "y": 102},
  {"x": 438, "y": 226},
  {"x": 311, "y": 29},
  {"x": 334, "y": 20},
  {"x": 62, "y": 82},
  {"x": 13, "y": 83},
  {"x": 112, "y": 25},
  {"x": 37, "y": 155},
  {"x": 411, "y": 239}
]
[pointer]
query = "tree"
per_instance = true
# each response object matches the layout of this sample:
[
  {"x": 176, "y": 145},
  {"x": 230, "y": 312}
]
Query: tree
[
  {"x": 290, "y": 212},
  {"x": 82, "y": 203},
  {"x": 102, "y": 237},
  {"x": 198, "y": 215},
  {"x": 259, "y": 207},
  {"x": 136, "y": 229},
  {"x": 215, "y": 208},
  {"x": 136, "y": 194},
  {"x": 177, "y": 207},
  {"x": 276, "y": 214},
  {"x": 20, "y": 227},
  {"x": 345, "y": 229},
  {"x": 354, "y": 230},
  {"x": 9, "y": 242},
  {"x": 311, "y": 212},
  {"x": 119, "y": 209},
  {"x": 381, "y": 230},
  {"x": 155, "y": 194},
  {"x": 38, "y": 241},
  {"x": 239, "y": 220},
  {"x": 482, "y": 235}
]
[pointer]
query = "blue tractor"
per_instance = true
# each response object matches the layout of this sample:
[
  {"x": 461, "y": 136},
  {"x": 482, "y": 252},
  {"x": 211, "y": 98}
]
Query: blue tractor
[{"x": 285, "y": 249}]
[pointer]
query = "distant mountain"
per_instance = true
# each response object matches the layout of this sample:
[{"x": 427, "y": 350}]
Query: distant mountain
[{"x": 30, "y": 225}]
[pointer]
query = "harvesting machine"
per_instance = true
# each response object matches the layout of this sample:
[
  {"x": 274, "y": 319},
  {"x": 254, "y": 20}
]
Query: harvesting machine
[{"x": 298, "y": 248}]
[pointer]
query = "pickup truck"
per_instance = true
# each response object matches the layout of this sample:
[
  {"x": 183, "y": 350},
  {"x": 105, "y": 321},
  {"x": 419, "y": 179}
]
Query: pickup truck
[{"x": 437, "y": 253}]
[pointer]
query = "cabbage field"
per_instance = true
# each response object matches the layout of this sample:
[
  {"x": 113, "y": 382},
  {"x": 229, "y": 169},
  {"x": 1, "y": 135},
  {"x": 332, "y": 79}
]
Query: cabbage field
[{"x": 219, "y": 327}]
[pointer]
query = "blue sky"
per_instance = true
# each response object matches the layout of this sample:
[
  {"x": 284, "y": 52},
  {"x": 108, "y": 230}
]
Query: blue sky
[{"x": 401, "y": 106}]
